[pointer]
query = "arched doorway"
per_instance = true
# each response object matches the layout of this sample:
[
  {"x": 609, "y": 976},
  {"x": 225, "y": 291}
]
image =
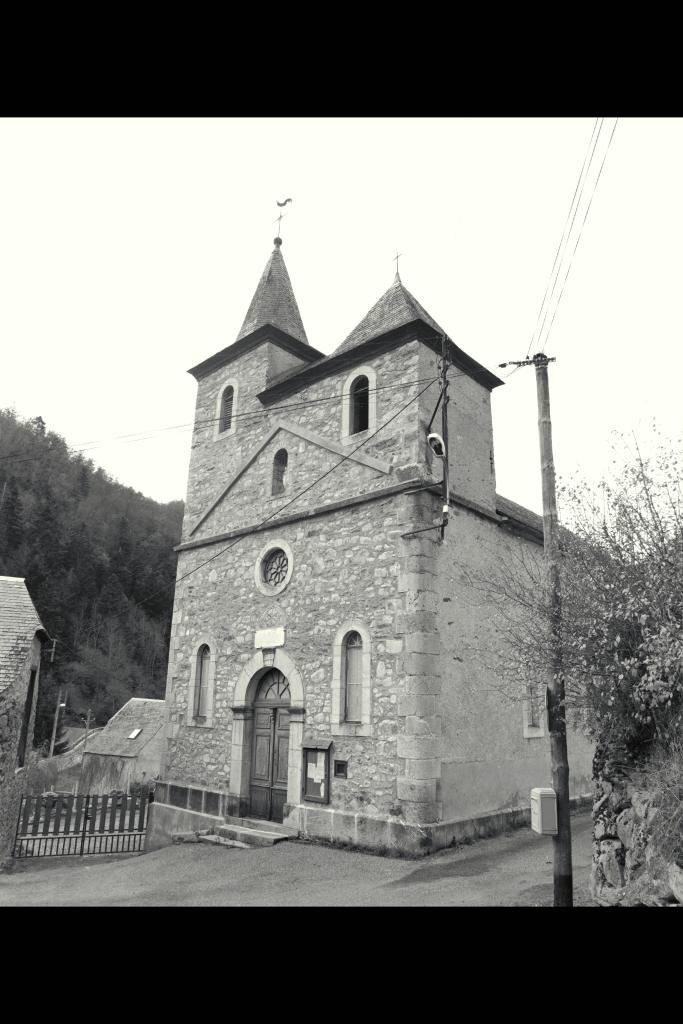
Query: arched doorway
[{"x": 270, "y": 747}]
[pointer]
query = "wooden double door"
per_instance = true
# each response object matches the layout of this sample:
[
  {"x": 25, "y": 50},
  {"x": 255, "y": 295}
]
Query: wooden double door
[{"x": 270, "y": 748}]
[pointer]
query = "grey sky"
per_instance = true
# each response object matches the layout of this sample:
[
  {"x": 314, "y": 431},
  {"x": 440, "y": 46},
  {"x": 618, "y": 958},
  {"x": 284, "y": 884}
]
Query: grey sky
[{"x": 130, "y": 250}]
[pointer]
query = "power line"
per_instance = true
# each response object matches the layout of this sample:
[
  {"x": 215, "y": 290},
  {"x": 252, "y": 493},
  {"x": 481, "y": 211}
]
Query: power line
[
  {"x": 579, "y": 235},
  {"x": 260, "y": 526},
  {"x": 132, "y": 438},
  {"x": 255, "y": 412},
  {"x": 585, "y": 167},
  {"x": 576, "y": 207},
  {"x": 256, "y": 529},
  {"x": 93, "y": 445}
]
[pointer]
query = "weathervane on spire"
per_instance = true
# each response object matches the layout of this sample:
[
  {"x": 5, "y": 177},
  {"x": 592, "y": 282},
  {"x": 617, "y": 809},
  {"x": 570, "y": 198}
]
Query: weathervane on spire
[
  {"x": 278, "y": 240},
  {"x": 396, "y": 257}
]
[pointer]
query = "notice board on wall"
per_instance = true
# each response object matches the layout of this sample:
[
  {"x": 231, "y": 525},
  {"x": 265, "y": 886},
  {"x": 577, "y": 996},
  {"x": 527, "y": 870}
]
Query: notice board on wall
[{"x": 316, "y": 776}]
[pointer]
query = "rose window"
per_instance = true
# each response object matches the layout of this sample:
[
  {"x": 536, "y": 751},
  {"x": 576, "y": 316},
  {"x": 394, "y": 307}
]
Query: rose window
[{"x": 275, "y": 567}]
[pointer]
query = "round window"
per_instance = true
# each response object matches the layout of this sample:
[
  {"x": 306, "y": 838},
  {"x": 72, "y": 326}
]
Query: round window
[{"x": 274, "y": 567}]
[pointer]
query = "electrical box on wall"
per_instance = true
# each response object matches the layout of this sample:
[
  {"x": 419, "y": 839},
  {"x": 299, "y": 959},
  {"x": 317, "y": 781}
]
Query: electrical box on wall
[{"x": 544, "y": 811}]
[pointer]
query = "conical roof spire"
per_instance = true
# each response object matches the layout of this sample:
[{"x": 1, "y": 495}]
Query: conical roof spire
[
  {"x": 273, "y": 302},
  {"x": 395, "y": 308}
]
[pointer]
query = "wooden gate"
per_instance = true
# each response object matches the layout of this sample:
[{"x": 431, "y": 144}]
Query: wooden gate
[{"x": 62, "y": 826}]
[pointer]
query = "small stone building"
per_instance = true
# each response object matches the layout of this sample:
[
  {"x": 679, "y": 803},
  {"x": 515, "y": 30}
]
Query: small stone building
[
  {"x": 127, "y": 750},
  {"x": 21, "y": 637},
  {"x": 328, "y": 663}
]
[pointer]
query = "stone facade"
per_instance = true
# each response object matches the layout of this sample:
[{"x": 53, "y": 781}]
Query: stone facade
[
  {"x": 21, "y": 633},
  {"x": 13, "y": 709},
  {"x": 436, "y": 748}
]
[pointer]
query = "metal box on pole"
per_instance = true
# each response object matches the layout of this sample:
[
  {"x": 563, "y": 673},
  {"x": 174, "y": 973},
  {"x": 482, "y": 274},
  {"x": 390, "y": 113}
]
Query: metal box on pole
[{"x": 544, "y": 811}]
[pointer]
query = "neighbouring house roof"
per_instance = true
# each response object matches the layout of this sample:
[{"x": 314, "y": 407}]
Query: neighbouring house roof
[
  {"x": 19, "y": 623},
  {"x": 273, "y": 302},
  {"x": 395, "y": 308},
  {"x": 141, "y": 713}
]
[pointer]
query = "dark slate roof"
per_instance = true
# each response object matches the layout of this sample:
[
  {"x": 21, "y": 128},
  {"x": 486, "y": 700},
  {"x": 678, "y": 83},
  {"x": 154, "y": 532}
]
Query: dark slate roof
[
  {"x": 273, "y": 302},
  {"x": 521, "y": 515},
  {"x": 19, "y": 623},
  {"x": 396, "y": 308},
  {"x": 139, "y": 713}
]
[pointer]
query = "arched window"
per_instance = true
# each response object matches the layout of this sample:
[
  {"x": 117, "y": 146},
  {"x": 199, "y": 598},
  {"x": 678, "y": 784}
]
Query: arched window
[
  {"x": 351, "y": 711},
  {"x": 279, "y": 471},
  {"x": 225, "y": 421},
  {"x": 359, "y": 396},
  {"x": 352, "y": 677},
  {"x": 201, "y": 681},
  {"x": 273, "y": 687}
]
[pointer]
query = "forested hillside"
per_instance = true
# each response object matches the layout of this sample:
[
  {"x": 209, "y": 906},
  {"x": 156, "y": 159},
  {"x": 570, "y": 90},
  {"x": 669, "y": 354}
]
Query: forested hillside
[{"x": 90, "y": 550}]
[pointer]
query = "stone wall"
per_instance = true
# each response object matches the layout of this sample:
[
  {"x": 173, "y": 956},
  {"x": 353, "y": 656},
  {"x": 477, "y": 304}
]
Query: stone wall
[
  {"x": 488, "y": 764},
  {"x": 214, "y": 461},
  {"x": 625, "y": 870},
  {"x": 346, "y": 567},
  {"x": 12, "y": 705},
  {"x": 471, "y": 468},
  {"x": 441, "y": 744}
]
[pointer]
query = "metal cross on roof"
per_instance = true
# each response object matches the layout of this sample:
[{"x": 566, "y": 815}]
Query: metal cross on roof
[{"x": 396, "y": 257}]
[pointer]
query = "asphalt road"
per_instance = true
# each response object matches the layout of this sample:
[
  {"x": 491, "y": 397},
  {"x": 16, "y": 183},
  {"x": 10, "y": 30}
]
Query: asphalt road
[{"x": 511, "y": 870}]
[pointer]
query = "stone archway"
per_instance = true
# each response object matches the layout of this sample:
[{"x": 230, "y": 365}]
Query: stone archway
[{"x": 243, "y": 727}]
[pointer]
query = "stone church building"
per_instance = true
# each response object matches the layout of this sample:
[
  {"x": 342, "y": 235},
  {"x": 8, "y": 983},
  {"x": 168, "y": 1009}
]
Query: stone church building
[{"x": 329, "y": 666}]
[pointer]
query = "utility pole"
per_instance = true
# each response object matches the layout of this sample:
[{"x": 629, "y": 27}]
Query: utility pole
[
  {"x": 54, "y": 727},
  {"x": 85, "y": 744},
  {"x": 444, "y": 430},
  {"x": 555, "y": 694}
]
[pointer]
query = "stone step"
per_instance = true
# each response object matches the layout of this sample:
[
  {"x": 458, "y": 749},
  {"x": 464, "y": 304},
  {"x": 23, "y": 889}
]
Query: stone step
[
  {"x": 220, "y": 841},
  {"x": 252, "y": 836},
  {"x": 190, "y": 837},
  {"x": 261, "y": 825}
]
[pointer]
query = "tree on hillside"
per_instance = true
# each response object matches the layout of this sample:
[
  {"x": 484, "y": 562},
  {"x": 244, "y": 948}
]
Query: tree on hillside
[{"x": 91, "y": 551}]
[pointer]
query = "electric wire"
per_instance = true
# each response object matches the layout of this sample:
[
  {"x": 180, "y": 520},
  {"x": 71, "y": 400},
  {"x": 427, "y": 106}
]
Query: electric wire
[
  {"x": 152, "y": 434},
  {"x": 566, "y": 233},
  {"x": 557, "y": 306},
  {"x": 277, "y": 512},
  {"x": 207, "y": 421},
  {"x": 296, "y": 497},
  {"x": 81, "y": 447}
]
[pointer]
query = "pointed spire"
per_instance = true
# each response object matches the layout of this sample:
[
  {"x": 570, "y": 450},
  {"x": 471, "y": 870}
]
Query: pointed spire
[
  {"x": 394, "y": 309},
  {"x": 273, "y": 302}
]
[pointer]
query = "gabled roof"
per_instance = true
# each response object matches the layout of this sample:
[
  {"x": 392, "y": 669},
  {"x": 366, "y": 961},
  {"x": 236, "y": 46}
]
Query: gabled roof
[
  {"x": 273, "y": 302},
  {"x": 394, "y": 320},
  {"x": 141, "y": 713},
  {"x": 396, "y": 308},
  {"x": 19, "y": 623}
]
